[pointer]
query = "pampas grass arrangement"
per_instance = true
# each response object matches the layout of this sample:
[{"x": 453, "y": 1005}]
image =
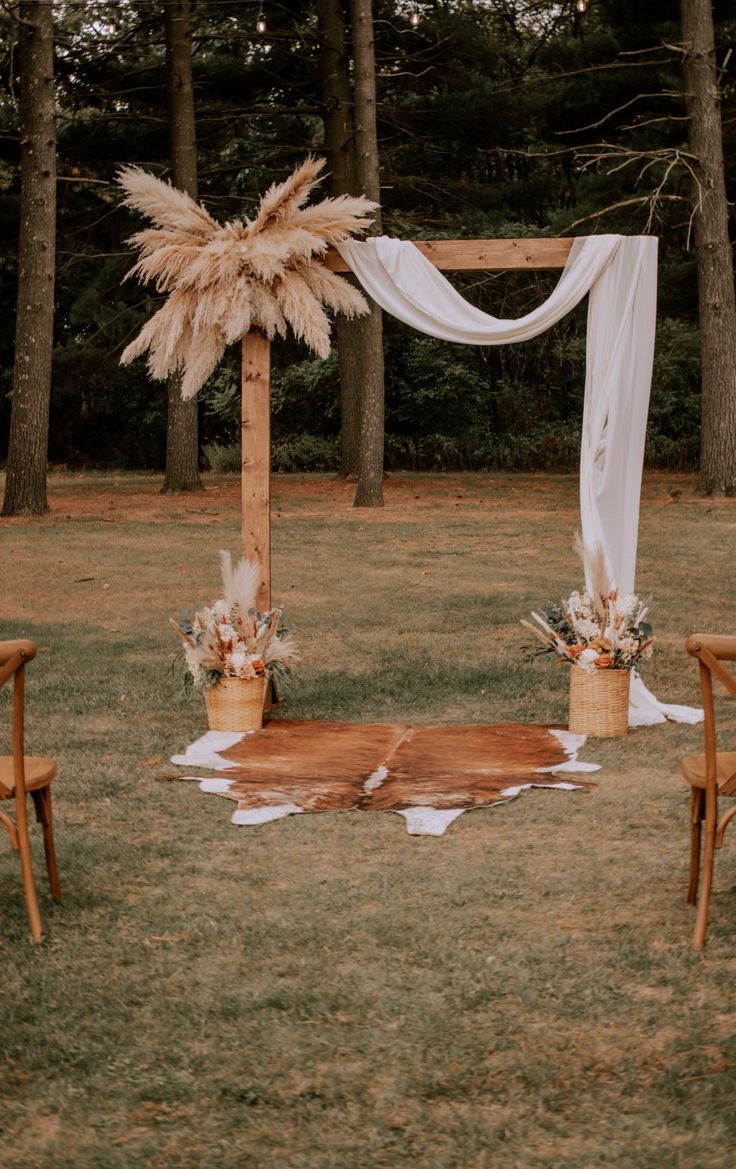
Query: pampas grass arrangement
[
  {"x": 230, "y": 638},
  {"x": 224, "y": 280}
]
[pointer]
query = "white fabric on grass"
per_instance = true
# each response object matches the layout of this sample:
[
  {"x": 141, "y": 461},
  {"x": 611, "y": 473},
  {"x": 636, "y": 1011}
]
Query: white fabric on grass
[{"x": 620, "y": 275}]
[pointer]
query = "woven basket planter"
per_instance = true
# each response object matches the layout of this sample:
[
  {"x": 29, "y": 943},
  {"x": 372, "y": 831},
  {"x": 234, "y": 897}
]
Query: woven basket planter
[
  {"x": 235, "y": 704},
  {"x": 599, "y": 702}
]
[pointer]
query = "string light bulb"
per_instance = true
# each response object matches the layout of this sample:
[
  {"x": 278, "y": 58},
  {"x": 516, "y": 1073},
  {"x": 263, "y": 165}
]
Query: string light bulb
[
  {"x": 261, "y": 25},
  {"x": 581, "y": 6},
  {"x": 414, "y": 17}
]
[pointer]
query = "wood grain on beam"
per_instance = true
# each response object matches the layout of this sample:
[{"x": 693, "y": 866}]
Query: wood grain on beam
[
  {"x": 473, "y": 255},
  {"x": 256, "y": 458}
]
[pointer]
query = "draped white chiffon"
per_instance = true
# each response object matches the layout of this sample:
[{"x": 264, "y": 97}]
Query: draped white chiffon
[{"x": 620, "y": 275}]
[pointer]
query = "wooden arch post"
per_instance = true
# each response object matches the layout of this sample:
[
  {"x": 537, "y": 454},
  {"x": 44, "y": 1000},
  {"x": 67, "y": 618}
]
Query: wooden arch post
[
  {"x": 255, "y": 478},
  {"x": 448, "y": 256}
]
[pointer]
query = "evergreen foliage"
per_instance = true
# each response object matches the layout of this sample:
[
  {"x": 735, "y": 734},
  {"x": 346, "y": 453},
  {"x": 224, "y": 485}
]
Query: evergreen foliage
[{"x": 496, "y": 119}]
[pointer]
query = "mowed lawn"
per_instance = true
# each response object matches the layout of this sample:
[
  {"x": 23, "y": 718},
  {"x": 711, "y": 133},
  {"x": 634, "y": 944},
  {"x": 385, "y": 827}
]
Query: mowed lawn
[{"x": 326, "y": 992}]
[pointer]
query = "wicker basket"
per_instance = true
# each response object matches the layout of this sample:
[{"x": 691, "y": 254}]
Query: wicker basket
[
  {"x": 599, "y": 702},
  {"x": 235, "y": 704}
]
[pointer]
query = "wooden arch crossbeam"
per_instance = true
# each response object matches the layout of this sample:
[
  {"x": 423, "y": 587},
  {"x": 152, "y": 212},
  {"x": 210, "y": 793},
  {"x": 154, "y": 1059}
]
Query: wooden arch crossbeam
[{"x": 448, "y": 256}]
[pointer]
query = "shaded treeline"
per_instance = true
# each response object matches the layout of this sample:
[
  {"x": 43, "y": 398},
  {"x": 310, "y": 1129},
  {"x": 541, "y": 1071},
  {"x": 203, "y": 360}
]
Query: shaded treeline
[{"x": 507, "y": 119}]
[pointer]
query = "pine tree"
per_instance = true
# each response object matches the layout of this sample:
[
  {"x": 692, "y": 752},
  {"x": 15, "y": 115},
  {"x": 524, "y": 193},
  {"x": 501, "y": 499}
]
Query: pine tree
[
  {"x": 713, "y": 249},
  {"x": 182, "y": 447},
  {"x": 368, "y": 333},
  {"x": 25, "y": 488}
]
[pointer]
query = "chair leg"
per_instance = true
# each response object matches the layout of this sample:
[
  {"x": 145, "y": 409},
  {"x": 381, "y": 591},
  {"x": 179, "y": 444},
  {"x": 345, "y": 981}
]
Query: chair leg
[
  {"x": 29, "y": 888},
  {"x": 706, "y": 884},
  {"x": 42, "y": 804},
  {"x": 723, "y": 824},
  {"x": 696, "y": 817}
]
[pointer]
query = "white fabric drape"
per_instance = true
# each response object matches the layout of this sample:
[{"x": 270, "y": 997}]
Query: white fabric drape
[{"x": 620, "y": 274}]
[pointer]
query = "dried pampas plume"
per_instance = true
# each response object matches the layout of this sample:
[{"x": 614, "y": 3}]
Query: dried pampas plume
[
  {"x": 598, "y": 577},
  {"x": 224, "y": 280},
  {"x": 240, "y": 585}
]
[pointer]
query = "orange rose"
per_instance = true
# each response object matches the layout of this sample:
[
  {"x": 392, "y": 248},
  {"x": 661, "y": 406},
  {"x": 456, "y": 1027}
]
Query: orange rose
[
  {"x": 258, "y": 665},
  {"x": 603, "y": 662},
  {"x": 575, "y": 650}
]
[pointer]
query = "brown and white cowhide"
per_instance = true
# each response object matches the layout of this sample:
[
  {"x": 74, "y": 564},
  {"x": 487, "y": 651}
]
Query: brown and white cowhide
[{"x": 429, "y": 775}]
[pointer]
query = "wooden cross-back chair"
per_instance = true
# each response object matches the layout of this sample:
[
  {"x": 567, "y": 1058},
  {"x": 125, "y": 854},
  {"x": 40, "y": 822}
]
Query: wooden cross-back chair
[
  {"x": 710, "y": 775},
  {"x": 22, "y": 775}
]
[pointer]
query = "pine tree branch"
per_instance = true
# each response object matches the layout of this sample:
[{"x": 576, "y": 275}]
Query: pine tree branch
[
  {"x": 11, "y": 10},
  {"x": 627, "y": 203},
  {"x": 619, "y": 109}
]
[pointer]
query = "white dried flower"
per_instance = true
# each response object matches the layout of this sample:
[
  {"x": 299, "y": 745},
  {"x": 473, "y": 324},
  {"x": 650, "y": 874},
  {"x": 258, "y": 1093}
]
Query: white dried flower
[{"x": 236, "y": 662}]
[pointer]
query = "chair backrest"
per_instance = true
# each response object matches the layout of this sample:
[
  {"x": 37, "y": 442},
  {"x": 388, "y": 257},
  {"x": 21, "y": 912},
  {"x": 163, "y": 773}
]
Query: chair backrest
[
  {"x": 13, "y": 658},
  {"x": 711, "y": 650}
]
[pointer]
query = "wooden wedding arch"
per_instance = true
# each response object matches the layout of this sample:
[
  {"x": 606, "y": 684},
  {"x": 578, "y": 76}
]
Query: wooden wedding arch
[{"x": 503, "y": 255}]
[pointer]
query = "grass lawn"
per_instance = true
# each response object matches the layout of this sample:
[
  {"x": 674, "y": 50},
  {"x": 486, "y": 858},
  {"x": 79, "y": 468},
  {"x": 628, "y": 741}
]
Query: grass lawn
[{"x": 326, "y": 992}]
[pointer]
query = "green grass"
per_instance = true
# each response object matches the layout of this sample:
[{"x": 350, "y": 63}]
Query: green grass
[{"x": 326, "y": 992}]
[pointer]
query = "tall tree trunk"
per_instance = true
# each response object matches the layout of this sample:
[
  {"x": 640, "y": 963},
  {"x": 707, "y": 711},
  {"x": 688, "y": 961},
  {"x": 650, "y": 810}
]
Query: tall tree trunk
[
  {"x": 367, "y": 332},
  {"x": 713, "y": 250},
  {"x": 182, "y": 445},
  {"x": 25, "y": 488},
  {"x": 337, "y": 93}
]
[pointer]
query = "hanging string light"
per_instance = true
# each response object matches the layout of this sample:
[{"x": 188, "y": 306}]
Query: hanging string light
[
  {"x": 414, "y": 17},
  {"x": 581, "y": 6},
  {"x": 261, "y": 25}
]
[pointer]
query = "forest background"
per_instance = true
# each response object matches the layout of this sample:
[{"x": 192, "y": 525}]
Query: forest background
[{"x": 507, "y": 119}]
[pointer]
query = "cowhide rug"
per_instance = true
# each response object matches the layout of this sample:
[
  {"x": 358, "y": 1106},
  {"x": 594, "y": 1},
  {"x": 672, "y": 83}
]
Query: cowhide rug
[{"x": 429, "y": 775}]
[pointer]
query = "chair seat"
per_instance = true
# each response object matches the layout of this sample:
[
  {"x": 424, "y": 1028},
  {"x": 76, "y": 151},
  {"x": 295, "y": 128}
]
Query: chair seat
[
  {"x": 39, "y": 773},
  {"x": 693, "y": 768}
]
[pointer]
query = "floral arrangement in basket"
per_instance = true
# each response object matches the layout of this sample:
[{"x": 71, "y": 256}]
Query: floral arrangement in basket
[
  {"x": 230, "y": 638},
  {"x": 606, "y": 632}
]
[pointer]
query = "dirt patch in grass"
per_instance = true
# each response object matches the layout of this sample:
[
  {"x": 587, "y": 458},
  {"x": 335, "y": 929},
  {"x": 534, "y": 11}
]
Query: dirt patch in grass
[{"x": 122, "y": 498}]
